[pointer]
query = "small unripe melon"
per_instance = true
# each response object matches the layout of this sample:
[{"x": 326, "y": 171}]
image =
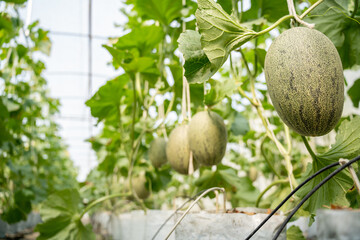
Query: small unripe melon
[
  {"x": 305, "y": 81},
  {"x": 139, "y": 186},
  {"x": 177, "y": 149},
  {"x": 157, "y": 152},
  {"x": 253, "y": 173},
  {"x": 207, "y": 138}
]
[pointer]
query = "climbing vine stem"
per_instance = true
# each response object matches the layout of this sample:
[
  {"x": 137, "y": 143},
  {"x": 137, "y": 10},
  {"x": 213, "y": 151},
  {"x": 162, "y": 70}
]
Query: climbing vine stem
[
  {"x": 260, "y": 110},
  {"x": 262, "y": 150}
]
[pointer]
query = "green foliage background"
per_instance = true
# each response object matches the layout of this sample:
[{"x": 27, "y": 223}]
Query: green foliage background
[
  {"x": 33, "y": 158},
  {"x": 222, "y": 52}
]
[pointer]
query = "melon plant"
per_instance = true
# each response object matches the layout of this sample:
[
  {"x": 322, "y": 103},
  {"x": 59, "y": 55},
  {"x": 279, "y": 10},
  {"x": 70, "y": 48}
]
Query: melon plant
[
  {"x": 207, "y": 138},
  {"x": 178, "y": 150},
  {"x": 157, "y": 152},
  {"x": 139, "y": 184},
  {"x": 305, "y": 81}
]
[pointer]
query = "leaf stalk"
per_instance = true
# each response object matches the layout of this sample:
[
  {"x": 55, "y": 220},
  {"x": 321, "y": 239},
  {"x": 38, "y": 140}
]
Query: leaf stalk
[
  {"x": 268, "y": 188},
  {"x": 102, "y": 199},
  {"x": 311, "y": 8}
]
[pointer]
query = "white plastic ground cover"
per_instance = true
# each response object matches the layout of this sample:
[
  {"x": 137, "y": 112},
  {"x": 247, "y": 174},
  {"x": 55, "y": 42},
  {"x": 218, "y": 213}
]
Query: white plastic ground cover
[
  {"x": 134, "y": 225},
  {"x": 226, "y": 226},
  {"x": 338, "y": 224}
]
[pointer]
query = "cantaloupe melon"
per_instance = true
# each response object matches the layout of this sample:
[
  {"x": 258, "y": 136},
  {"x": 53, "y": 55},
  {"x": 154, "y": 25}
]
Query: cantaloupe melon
[
  {"x": 305, "y": 81},
  {"x": 207, "y": 138}
]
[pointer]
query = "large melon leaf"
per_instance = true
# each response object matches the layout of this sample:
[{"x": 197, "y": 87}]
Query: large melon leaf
[
  {"x": 220, "y": 32},
  {"x": 353, "y": 93},
  {"x": 165, "y": 11},
  {"x": 347, "y": 145},
  {"x": 333, "y": 18},
  {"x": 197, "y": 65},
  {"x": 60, "y": 213},
  {"x": 347, "y": 141}
]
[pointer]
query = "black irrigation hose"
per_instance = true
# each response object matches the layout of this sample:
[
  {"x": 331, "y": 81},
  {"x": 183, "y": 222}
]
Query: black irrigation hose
[
  {"x": 190, "y": 199},
  {"x": 289, "y": 196},
  {"x": 312, "y": 192}
]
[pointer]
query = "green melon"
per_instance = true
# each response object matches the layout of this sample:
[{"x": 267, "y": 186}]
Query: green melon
[
  {"x": 305, "y": 81},
  {"x": 207, "y": 138},
  {"x": 177, "y": 149},
  {"x": 157, "y": 152},
  {"x": 139, "y": 185},
  {"x": 253, "y": 173}
]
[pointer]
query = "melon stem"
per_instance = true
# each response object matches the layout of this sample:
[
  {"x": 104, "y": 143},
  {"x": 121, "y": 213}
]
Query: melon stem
[
  {"x": 292, "y": 12},
  {"x": 307, "y": 145},
  {"x": 287, "y": 17}
]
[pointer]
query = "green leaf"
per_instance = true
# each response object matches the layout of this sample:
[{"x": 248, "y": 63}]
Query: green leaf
[
  {"x": 260, "y": 53},
  {"x": 132, "y": 63},
  {"x": 23, "y": 200},
  {"x": 270, "y": 10},
  {"x": 21, "y": 207},
  {"x": 219, "y": 89},
  {"x": 196, "y": 90},
  {"x": 42, "y": 42},
  {"x": 6, "y": 24},
  {"x": 353, "y": 93},
  {"x": 347, "y": 141},
  {"x": 227, "y": 177},
  {"x": 334, "y": 21},
  {"x": 60, "y": 213},
  {"x": 197, "y": 65},
  {"x": 347, "y": 145},
  {"x": 145, "y": 65},
  {"x": 332, "y": 192},
  {"x": 294, "y": 233},
  {"x": 61, "y": 203},
  {"x": 226, "y": 5},
  {"x": 62, "y": 228},
  {"x": 245, "y": 193},
  {"x": 273, "y": 10},
  {"x": 240, "y": 126},
  {"x": 106, "y": 101},
  {"x": 4, "y": 113},
  {"x": 118, "y": 55},
  {"x": 144, "y": 39},
  {"x": 108, "y": 164},
  {"x": 11, "y": 105},
  {"x": 160, "y": 178},
  {"x": 165, "y": 11},
  {"x": 15, "y": 1},
  {"x": 21, "y": 50},
  {"x": 354, "y": 198},
  {"x": 13, "y": 215},
  {"x": 197, "y": 94},
  {"x": 343, "y": 3},
  {"x": 220, "y": 32}
]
